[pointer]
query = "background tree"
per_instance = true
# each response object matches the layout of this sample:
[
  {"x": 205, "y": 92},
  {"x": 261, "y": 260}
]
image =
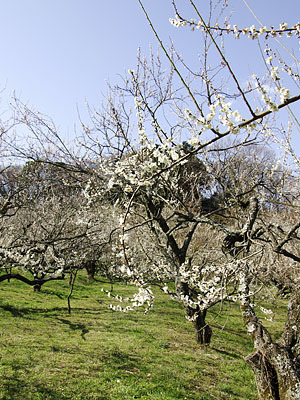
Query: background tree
[{"x": 51, "y": 233}]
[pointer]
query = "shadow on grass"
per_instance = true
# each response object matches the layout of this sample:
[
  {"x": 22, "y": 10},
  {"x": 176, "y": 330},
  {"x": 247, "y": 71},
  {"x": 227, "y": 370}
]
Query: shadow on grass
[
  {"x": 17, "y": 312},
  {"x": 75, "y": 327},
  {"x": 118, "y": 359},
  {"x": 14, "y": 388},
  {"x": 52, "y": 312},
  {"x": 227, "y": 353},
  {"x": 52, "y": 293}
]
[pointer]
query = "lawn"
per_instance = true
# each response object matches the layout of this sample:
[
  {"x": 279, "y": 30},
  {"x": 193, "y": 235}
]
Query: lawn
[{"x": 96, "y": 353}]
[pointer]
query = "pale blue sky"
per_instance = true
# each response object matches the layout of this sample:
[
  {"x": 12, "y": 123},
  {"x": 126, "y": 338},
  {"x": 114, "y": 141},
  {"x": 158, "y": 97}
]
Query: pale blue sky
[{"x": 55, "y": 54}]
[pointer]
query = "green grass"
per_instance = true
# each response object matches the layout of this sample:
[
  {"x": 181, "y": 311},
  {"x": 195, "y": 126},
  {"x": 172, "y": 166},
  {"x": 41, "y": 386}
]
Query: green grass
[{"x": 96, "y": 353}]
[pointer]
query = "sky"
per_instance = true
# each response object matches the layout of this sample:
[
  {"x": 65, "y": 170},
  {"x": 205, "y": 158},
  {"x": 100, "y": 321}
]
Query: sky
[{"x": 58, "y": 54}]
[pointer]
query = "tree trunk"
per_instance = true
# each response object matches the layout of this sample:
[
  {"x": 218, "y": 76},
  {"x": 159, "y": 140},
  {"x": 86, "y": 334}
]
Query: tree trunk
[
  {"x": 203, "y": 330},
  {"x": 37, "y": 287},
  {"x": 276, "y": 374},
  {"x": 90, "y": 267},
  {"x": 275, "y": 364},
  {"x": 197, "y": 316}
]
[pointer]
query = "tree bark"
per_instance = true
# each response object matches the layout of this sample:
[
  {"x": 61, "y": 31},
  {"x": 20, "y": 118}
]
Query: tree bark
[
  {"x": 197, "y": 316},
  {"x": 37, "y": 287},
  {"x": 276, "y": 374},
  {"x": 91, "y": 268},
  {"x": 203, "y": 330},
  {"x": 275, "y": 364}
]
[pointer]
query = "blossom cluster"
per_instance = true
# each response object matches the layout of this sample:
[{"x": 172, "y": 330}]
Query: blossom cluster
[
  {"x": 220, "y": 110},
  {"x": 267, "y": 100},
  {"x": 143, "y": 298},
  {"x": 271, "y": 56},
  {"x": 137, "y": 170},
  {"x": 252, "y": 32},
  {"x": 37, "y": 259},
  {"x": 283, "y": 92},
  {"x": 210, "y": 281}
]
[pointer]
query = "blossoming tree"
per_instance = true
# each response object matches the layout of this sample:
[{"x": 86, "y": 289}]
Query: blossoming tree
[
  {"x": 48, "y": 232},
  {"x": 164, "y": 179},
  {"x": 190, "y": 215}
]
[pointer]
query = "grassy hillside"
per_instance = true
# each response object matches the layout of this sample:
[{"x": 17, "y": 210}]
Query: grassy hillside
[{"x": 95, "y": 353}]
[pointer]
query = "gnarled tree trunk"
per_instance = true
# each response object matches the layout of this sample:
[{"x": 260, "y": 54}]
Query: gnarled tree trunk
[
  {"x": 275, "y": 364},
  {"x": 276, "y": 373}
]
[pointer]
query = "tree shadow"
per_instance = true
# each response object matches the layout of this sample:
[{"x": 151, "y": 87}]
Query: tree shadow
[
  {"x": 75, "y": 327},
  {"x": 50, "y": 292},
  {"x": 51, "y": 312},
  {"x": 227, "y": 353},
  {"x": 17, "y": 312},
  {"x": 122, "y": 360},
  {"x": 14, "y": 388}
]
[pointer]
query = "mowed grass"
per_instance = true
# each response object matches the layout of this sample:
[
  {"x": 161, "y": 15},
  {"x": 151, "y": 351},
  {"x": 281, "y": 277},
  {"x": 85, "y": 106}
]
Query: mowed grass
[{"x": 96, "y": 353}]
